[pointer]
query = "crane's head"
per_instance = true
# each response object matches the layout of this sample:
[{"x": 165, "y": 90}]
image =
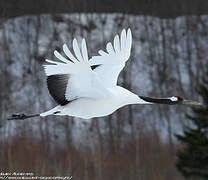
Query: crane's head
[{"x": 179, "y": 100}]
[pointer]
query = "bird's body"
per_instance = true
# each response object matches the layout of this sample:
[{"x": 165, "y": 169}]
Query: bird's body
[
  {"x": 97, "y": 107},
  {"x": 87, "y": 88}
]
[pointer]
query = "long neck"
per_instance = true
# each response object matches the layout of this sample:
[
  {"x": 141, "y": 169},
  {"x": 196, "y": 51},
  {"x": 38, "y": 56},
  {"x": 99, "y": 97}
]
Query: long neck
[
  {"x": 157, "y": 100},
  {"x": 130, "y": 98}
]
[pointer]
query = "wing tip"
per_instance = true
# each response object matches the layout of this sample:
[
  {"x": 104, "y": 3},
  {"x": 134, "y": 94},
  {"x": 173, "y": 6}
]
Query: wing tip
[
  {"x": 129, "y": 29},
  {"x": 65, "y": 46},
  {"x": 50, "y": 61},
  {"x": 75, "y": 42},
  {"x": 83, "y": 40},
  {"x": 123, "y": 31},
  {"x": 129, "y": 33},
  {"x": 126, "y": 31},
  {"x": 56, "y": 53}
]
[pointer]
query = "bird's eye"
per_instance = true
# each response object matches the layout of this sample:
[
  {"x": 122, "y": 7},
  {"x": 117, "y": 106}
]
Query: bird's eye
[{"x": 176, "y": 98}]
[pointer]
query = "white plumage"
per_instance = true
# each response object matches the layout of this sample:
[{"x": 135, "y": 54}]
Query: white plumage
[{"x": 88, "y": 88}]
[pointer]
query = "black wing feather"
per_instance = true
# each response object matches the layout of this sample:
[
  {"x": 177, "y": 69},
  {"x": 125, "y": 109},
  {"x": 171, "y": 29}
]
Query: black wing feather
[
  {"x": 95, "y": 66},
  {"x": 57, "y": 87}
]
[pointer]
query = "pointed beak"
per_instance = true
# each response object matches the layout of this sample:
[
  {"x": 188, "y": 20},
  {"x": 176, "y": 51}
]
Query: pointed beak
[{"x": 191, "y": 103}]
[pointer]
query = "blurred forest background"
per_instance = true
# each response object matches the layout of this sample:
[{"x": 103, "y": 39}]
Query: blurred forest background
[{"x": 169, "y": 57}]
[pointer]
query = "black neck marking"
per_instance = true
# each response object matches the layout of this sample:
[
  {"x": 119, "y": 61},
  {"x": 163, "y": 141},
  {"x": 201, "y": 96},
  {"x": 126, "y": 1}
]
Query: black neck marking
[{"x": 159, "y": 100}]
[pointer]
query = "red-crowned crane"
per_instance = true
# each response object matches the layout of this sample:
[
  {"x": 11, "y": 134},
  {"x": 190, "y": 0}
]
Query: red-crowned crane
[{"x": 87, "y": 88}]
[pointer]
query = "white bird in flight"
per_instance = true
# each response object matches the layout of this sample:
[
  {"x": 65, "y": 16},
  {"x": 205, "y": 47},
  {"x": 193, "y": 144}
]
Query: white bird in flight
[{"x": 87, "y": 88}]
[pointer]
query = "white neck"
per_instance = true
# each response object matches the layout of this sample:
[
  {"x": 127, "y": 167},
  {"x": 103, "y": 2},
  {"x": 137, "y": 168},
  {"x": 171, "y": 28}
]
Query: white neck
[
  {"x": 127, "y": 97},
  {"x": 141, "y": 101}
]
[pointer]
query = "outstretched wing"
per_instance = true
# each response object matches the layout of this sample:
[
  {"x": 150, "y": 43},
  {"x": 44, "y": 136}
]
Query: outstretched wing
[
  {"x": 72, "y": 78},
  {"x": 110, "y": 64}
]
